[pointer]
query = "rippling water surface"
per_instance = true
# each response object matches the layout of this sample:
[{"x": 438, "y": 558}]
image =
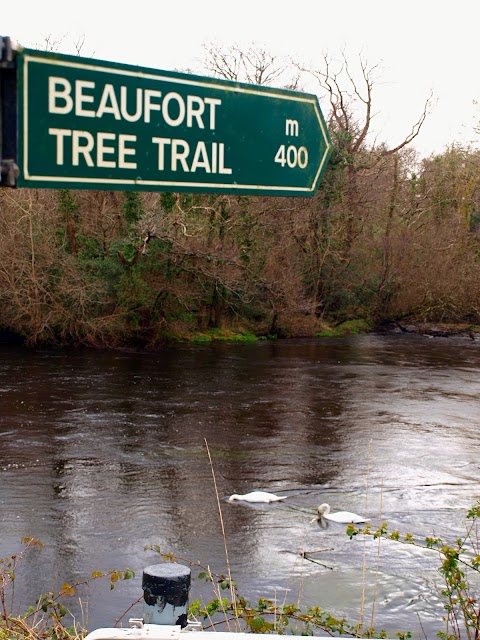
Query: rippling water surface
[{"x": 102, "y": 453}]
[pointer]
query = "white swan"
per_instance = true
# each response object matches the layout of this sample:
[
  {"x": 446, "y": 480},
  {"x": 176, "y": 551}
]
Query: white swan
[
  {"x": 256, "y": 496},
  {"x": 345, "y": 517}
]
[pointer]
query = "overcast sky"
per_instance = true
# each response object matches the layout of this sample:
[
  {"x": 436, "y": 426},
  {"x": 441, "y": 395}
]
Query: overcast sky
[{"x": 420, "y": 46}]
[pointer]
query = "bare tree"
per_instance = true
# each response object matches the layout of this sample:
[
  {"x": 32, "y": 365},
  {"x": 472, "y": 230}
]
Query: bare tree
[{"x": 254, "y": 66}]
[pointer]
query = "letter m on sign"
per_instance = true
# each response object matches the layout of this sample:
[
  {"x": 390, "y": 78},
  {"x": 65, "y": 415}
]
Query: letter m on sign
[{"x": 291, "y": 127}]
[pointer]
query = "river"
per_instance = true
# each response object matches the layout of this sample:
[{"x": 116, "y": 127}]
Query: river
[{"x": 104, "y": 452}]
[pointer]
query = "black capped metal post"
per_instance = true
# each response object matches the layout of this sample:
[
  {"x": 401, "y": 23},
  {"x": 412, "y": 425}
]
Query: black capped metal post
[{"x": 165, "y": 592}]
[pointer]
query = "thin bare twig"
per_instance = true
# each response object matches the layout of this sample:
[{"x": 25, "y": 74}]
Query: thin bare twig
[{"x": 232, "y": 590}]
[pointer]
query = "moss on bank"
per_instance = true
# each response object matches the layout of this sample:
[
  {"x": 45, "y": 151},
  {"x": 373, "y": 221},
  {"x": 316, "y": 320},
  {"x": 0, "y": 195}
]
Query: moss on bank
[
  {"x": 350, "y": 327},
  {"x": 215, "y": 335}
]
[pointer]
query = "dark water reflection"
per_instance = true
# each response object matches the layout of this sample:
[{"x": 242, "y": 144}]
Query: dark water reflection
[{"x": 103, "y": 453}]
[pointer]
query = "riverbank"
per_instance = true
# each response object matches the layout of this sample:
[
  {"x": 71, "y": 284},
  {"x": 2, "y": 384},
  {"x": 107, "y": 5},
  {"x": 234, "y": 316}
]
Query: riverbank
[
  {"x": 433, "y": 330},
  {"x": 324, "y": 330},
  {"x": 316, "y": 329}
]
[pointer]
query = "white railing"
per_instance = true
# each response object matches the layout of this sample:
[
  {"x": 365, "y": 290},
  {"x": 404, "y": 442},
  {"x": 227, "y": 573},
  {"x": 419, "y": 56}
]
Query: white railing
[{"x": 140, "y": 631}]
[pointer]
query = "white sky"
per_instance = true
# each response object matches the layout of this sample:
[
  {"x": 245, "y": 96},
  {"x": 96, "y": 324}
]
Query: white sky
[{"x": 420, "y": 46}]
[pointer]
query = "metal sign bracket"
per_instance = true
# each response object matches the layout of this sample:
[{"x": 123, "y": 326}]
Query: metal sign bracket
[{"x": 8, "y": 113}]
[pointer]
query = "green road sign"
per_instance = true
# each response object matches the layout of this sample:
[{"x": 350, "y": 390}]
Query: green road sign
[{"x": 92, "y": 124}]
